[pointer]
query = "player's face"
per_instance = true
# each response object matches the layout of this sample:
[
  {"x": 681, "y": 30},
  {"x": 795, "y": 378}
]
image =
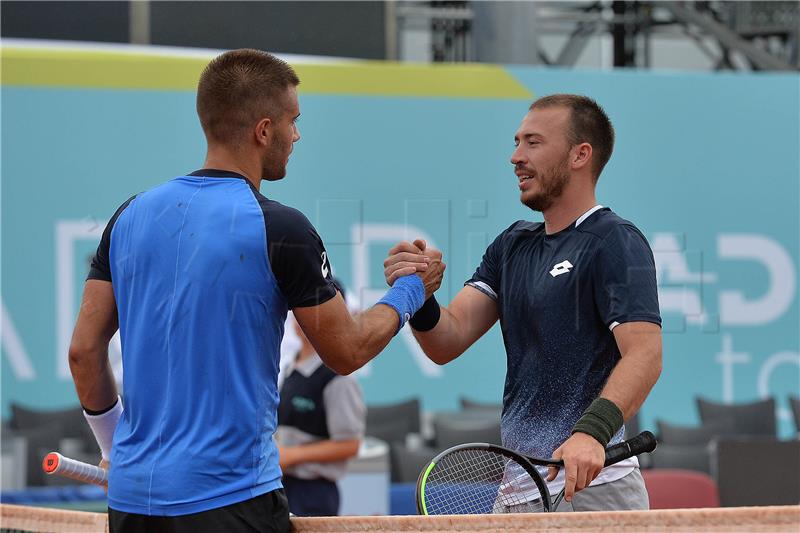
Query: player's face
[
  {"x": 285, "y": 135},
  {"x": 541, "y": 157}
]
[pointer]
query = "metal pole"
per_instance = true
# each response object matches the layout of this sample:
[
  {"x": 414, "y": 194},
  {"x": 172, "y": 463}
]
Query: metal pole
[{"x": 139, "y": 21}]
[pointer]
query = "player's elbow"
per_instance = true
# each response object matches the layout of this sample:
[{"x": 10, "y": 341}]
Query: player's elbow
[
  {"x": 440, "y": 359},
  {"x": 653, "y": 363},
  {"x": 343, "y": 368},
  {"x": 351, "y": 448},
  {"x": 658, "y": 363},
  {"x": 80, "y": 354},
  {"x": 441, "y": 356},
  {"x": 342, "y": 362}
]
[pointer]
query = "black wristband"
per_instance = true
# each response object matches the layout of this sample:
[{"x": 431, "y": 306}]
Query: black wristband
[
  {"x": 102, "y": 411},
  {"x": 602, "y": 419},
  {"x": 426, "y": 318}
]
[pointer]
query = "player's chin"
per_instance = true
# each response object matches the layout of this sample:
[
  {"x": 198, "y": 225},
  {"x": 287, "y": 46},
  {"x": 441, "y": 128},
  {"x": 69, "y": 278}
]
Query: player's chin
[
  {"x": 274, "y": 176},
  {"x": 534, "y": 202}
]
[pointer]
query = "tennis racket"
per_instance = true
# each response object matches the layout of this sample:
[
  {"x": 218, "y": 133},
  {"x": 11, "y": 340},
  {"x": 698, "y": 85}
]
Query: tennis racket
[
  {"x": 481, "y": 478},
  {"x": 55, "y": 463}
]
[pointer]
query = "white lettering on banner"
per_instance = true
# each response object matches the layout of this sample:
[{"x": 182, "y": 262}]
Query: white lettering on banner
[
  {"x": 769, "y": 366},
  {"x": 363, "y": 235},
  {"x": 672, "y": 268},
  {"x": 735, "y": 309},
  {"x": 727, "y": 358},
  {"x": 67, "y": 232},
  {"x": 12, "y": 345}
]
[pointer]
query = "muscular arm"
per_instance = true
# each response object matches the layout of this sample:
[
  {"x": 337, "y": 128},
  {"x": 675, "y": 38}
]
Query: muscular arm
[
  {"x": 345, "y": 342},
  {"x": 634, "y": 376},
  {"x": 628, "y": 385},
  {"x": 325, "y": 451},
  {"x": 88, "y": 351},
  {"x": 464, "y": 321}
]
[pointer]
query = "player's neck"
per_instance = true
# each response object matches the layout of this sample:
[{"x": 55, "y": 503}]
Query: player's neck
[
  {"x": 221, "y": 158},
  {"x": 566, "y": 210}
]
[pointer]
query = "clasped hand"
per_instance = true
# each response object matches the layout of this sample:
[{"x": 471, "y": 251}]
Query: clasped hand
[{"x": 407, "y": 258}]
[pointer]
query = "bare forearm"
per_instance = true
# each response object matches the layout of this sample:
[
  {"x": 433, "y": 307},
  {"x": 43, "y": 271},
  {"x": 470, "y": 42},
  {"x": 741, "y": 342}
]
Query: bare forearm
[
  {"x": 464, "y": 321},
  {"x": 94, "y": 381},
  {"x": 632, "y": 379},
  {"x": 444, "y": 342},
  {"x": 364, "y": 338},
  {"x": 326, "y": 451},
  {"x": 88, "y": 350}
]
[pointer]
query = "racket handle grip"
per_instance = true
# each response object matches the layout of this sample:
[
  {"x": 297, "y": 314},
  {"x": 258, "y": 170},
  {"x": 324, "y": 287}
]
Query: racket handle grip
[
  {"x": 641, "y": 443},
  {"x": 55, "y": 463}
]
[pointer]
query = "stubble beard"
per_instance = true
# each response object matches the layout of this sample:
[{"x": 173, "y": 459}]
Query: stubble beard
[
  {"x": 551, "y": 184},
  {"x": 273, "y": 167}
]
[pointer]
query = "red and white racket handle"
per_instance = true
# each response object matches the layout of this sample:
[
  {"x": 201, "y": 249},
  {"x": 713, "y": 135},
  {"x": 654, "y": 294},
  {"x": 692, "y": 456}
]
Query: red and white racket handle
[{"x": 55, "y": 463}]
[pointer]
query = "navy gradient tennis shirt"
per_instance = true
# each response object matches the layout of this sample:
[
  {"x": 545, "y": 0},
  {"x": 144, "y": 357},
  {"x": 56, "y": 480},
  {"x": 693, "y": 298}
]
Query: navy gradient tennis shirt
[
  {"x": 559, "y": 298},
  {"x": 204, "y": 269}
]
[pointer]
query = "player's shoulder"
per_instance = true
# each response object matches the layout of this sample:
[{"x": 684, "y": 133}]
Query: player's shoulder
[
  {"x": 282, "y": 216},
  {"x": 524, "y": 226},
  {"x": 606, "y": 225},
  {"x": 520, "y": 229}
]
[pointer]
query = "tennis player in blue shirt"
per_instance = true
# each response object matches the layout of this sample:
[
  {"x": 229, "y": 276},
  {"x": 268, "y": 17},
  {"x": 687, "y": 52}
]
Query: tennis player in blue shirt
[
  {"x": 198, "y": 274},
  {"x": 578, "y": 308}
]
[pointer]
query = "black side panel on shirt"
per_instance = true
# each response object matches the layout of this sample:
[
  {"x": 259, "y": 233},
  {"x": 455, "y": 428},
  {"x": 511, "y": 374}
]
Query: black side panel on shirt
[
  {"x": 101, "y": 267},
  {"x": 296, "y": 255}
]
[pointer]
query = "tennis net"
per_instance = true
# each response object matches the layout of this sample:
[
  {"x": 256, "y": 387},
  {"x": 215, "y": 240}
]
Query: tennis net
[{"x": 732, "y": 519}]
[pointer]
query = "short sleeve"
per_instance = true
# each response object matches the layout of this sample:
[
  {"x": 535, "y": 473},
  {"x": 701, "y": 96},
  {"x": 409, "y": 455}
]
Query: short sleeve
[
  {"x": 101, "y": 265},
  {"x": 624, "y": 274},
  {"x": 298, "y": 258},
  {"x": 487, "y": 278},
  {"x": 344, "y": 408}
]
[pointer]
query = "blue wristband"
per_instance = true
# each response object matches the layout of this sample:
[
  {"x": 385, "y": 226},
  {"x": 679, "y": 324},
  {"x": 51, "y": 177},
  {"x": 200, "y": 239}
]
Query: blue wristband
[{"x": 406, "y": 297}]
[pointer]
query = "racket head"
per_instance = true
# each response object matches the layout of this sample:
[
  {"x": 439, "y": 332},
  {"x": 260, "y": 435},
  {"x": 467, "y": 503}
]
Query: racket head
[{"x": 480, "y": 478}]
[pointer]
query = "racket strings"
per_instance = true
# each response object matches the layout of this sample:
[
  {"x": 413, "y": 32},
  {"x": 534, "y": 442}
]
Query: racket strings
[{"x": 475, "y": 481}]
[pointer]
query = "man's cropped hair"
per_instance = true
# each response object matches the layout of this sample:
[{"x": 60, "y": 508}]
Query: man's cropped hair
[
  {"x": 239, "y": 88},
  {"x": 588, "y": 124}
]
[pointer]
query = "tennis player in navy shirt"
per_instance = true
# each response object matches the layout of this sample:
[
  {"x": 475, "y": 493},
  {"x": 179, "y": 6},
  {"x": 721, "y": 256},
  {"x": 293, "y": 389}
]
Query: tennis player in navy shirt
[
  {"x": 198, "y": 274},
  {"x": 578, "y": 308}
]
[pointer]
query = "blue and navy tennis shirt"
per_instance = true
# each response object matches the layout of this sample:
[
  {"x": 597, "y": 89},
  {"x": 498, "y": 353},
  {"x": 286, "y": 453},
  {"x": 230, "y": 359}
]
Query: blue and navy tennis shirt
[
  {"x": 204, "y": 269},
  {"x": 559, "y": 297}
]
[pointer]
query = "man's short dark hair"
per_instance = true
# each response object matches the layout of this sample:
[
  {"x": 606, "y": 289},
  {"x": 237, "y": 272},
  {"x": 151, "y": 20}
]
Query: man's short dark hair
[
  {"x": 588, "y": 123},
  {"x": 240, "y": 87}
]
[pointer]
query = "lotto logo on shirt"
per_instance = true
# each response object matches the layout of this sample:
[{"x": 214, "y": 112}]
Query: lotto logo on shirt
[{"x": 561, "y": 268}]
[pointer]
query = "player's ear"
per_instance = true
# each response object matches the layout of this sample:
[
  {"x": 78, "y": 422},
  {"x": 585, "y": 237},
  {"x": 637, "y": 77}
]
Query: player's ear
[
  {"x": 263, "y": 131},
  {"x": 580, "y": 156}
]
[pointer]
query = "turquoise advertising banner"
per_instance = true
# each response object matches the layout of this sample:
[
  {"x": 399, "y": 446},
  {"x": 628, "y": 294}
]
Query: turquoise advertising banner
[{"x": 706, "y": 165}]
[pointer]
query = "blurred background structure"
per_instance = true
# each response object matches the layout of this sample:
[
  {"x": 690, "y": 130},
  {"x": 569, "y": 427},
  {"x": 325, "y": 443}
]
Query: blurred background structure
[
  {"x": 750, "y": 36},
  {"x": 98, "y": 103}
]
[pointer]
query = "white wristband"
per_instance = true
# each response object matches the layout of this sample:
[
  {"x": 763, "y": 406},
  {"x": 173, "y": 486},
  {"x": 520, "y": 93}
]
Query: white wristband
[{"x": 103, "y": 427}]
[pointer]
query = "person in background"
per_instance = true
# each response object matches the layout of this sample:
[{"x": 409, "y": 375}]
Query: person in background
[{"x": 321, "y": 419}]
